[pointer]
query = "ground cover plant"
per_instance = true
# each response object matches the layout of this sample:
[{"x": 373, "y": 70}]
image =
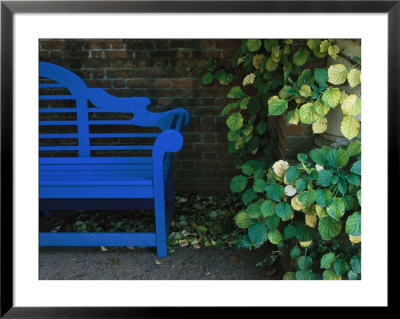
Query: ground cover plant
[{"x": 306, "y": 207}]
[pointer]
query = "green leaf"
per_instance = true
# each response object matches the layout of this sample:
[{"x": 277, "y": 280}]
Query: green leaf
[
  {"x": 238, "y": 183},
  {"x": 275, "y": 191},
  {"x": 275, "y": 236},
  {"x": 333, "y": 50},
  {"x": 359, "y": 196},
  {"x": 350, "y": 127},
  {"x": 247, "y": 169},
  {"x": 353, "y": 224},
  {"x": 353, "y": 179},
  {"x": 277, "y": 107},
  {"x": 331, "y": 97},
  {"x": 354, "y": 148},
  {"x": 223, "y": 77},
  {"x": 229, "y": 107},
  {"x": 272, "y": 222},
  {"x": 302, "y": 157},
  {"x": 253, "y": 210},
  {"x": 243, "y": 220},
  {"x": 290, "y": 231},
  {"x": 327, "y": 260},
  {"x": 267, "y": 208},
  {"x": 330, "y": 274},
  {"x": 235, "y": 121},
  {"x": 337, "y": 157},
  {"x": 283, "y": 210},
  {"x": 211, "y": 64},
  {"x": 300, "y": 185},
  {"x": 304, "y": 232},
  {"x": 307, "y": 114},
  {"x": 292, "y": 173},
  {"x": 329, "y": 228},
  {"x": 258, "y": 233},
  {"x": 259, "y": 185},
  {"x": 292, "y": 117},
  {"x": 325, "y": 177},
  {"x": 342, "y": 186},
  {"x": 320, "y": 76},
  {"x": 290, "y": 275},
  {"x": 341, "y": 266},
  {"x": 352, "y": 275},
  {"x": 207, "y": 78},
  {"x": 261, "y": 127},
  {"x": 236, "y": 92},
  {"x": 253, "y": 45},
  {"x": 248, "y": 196},
  {"x": 355, "y": 263},
  {"x": 308, "y": 197},
  {"x": 304, "y": 262},
  {"x": 318, "y": 156},
  {"x": 269, "y": 44},
  {"x": 313, "y": 43},
  {"x": 356, "y": 168},
  {"x": 320, "y": 108},
  {"x": 336, "y": 208},
  {"x": 324, "y": 197},
  {"x": 300, "y": 57},
  {"x": 304, "y": 274},
  {"x": 295, "y": 252}
]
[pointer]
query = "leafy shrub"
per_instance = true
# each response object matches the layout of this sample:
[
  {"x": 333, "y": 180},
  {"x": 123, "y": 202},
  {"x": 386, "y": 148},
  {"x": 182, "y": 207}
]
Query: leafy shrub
[{"x": 311, "y": 209}]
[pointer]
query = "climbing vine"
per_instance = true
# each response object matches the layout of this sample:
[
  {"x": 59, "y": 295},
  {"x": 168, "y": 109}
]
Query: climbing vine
[{"x": 305, "y": 208}]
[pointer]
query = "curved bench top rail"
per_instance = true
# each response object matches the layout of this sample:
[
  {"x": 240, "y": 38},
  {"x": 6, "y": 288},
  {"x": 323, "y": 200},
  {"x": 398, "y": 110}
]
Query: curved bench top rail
[{"x": 106, "y": 102}]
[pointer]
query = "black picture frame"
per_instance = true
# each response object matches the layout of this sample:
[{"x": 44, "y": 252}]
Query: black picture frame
[{"x": 9, "y": 8}]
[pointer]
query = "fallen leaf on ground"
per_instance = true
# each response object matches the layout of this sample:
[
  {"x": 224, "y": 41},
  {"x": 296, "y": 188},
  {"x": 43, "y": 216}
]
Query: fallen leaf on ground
[
  {"x": 235, "y": 258},
  {"x": 131, "y": 248},
  {"x": 157, "y": 262},
  {"x": 207, "y": 273},
  {"x": 104, "y": 249},
  {"x": 271, "y": 272}
]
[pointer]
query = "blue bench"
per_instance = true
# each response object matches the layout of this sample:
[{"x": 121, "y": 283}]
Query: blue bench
[{"x": 86, "y": 176}]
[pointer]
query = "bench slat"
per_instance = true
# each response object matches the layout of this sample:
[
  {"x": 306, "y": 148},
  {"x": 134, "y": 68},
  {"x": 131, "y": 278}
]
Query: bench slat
[{"x": 57, "y": 97}]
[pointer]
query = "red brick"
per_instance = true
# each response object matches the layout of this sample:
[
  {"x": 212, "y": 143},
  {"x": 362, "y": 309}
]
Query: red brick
[
  {"x": 76, "y": 54},
  {"x": 162, "y": 83},
  {"x": 96, "y": 54},
  {"x": 164, "y": 102},
  {"x": 43, "y": 54},
  {"x": 184, "y": 54},
  {"x": 185, "y": 83},
  {"x": 119, "y": 73},
  {"x": 96, "y": 64},
  {"x": 117, "y": 44},
  {"x": 97, "y": 44},
  {"x": 140, "y": 83},
  {"x": 54, "y": 45},
  {"x": 209, "y": 138},
  {"x": 119, "y": 54}
]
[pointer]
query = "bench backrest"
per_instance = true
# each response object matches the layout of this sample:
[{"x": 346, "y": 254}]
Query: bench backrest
[{"x": 87, "y": 118}]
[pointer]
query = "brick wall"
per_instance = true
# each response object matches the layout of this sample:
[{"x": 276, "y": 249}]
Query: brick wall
[{"x": 166, "y": 71}]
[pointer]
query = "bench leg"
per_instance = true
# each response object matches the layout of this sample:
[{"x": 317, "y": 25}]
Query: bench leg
[{"x": 161, "y": 224}]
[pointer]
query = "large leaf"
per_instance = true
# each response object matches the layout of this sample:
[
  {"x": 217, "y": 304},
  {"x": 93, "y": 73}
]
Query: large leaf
[
  {"x": 337, "y": 158},
  {"x": 300, "y": 185},
  {"x": 356, "y": 168},
  {"x": 238, "y": 183},
  {"x": 325, "y": 177},
  {"x": 331, "y": 97},
  {"x": 248, "y": 196},
  {"x": 258, "y": 233},
  {"x": 337, "y": 74},
  {"x": 267, "y": 208},
  {"x": 324, "y": 197},
  {"x": 223, "y": 77},
  {"x": 272, "y": 222},
  {"x": 353, "y": 224},
  {"x": 259, "y": 185},
  {"x": 275, "y": 191},
  {"x": 307, "y": 114},
  {"x": 292, "y": 173},
  {"x": 253, "y": 210},
  {"x": 320, "y": 108},
  {"x": 253, "y": 44},
  {"x": 275, "y": 236},
  {"x": 300, "y": 57},
  {"x": 354, "y": 77},
  {"x": 304, "y": 232},
  {"x": 327, "y": 260},
  {"x": 320, "y": 125},
  {"x": 351, "y": 105},
  {"x": 304, "y": 262},
  {"x": 350, "y": 127},
  {"x": 354, "y": 148},
  {"x": 243, "y": 220},
  {"x": 207, "y": 78},
  {"x": 304, "y": 274},
  {"x": 320, "y": 76},
  {"x": 308, "y": 197},
  {"x": 355, "y": 263},
  {"x": 283, "y": 210},
  {"x": 235, "y": 121},
  {"x": 336, "y": 208},
  {"x": 341, "y": 266},
  {"x": 236, "y": 92},
  {"x": 329, "y": 228},
  {"x": 318, "y": 156},
  {"x": 277, "y": 107},
  {"x": 330, "y": 274},
  {"x": 290, "y": 232}
]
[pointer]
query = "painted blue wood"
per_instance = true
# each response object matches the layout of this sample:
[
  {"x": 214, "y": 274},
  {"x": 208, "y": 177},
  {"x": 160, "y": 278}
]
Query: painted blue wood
[{"x": 91, "y": 182}]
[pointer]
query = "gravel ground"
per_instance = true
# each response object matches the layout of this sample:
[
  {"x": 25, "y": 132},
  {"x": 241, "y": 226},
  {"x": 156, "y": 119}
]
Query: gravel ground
[{"x": 206, "y": 263}]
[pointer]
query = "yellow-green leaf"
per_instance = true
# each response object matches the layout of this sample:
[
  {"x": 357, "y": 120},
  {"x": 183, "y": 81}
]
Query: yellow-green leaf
[
  {"x": 323, "y": 47},
  {"x": 293, "y": 117},
  {"x": 271, "y": 65},
  {"x": 272, "y": 98},
  {"x": 313, "y": 44},
  {"x": 320, "y": 108},
  {"x": 253, "y": 44},
  {"x": 333, "y": 50},
  {"x": 337, "y": 74},
  {"x": 350, "y": 127},
  {"x": 351, "y": 105},
  {"x": 249, "y": 79},
  {"x": 354, "y": 77},
  {"x": 331, "y": 97},
  {"x": 305, "y": 90},
  {"x": 307, "y": 114},
  {"x": 283, "y": 94},
  {"x": 320, "y": 125},
  {"x": 257, "y": 60}
]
